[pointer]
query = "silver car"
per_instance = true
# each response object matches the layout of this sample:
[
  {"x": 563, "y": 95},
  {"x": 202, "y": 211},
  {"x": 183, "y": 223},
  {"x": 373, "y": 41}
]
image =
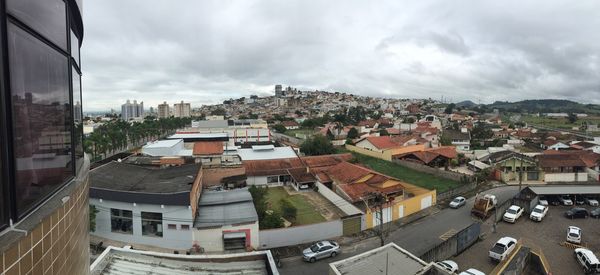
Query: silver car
[
  {"x": 320, "y": 250},
  {"x": 458, "y": 202}
]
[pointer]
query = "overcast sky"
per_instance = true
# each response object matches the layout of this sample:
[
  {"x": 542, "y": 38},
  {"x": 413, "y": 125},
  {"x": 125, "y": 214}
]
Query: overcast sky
[{"x": 206, "y": 51}]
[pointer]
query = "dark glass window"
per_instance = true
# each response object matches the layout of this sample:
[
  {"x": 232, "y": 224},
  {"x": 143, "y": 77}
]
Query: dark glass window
[
  {"x": 3, "y": 199},
  {"x": 77, "y": 118},
  {"x": 42, "y": 119},
  {"x": 152, "y": 224},
  {"x": 75, "y": 49},
  {"x": 121, "y": 221},
  {"x": 48, "y": 17}
]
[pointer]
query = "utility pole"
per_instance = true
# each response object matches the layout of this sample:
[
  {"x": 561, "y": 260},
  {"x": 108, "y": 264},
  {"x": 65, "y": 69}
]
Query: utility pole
[
  {"x": 379, "y": 200},
  {"x": 521, "y": 175}
]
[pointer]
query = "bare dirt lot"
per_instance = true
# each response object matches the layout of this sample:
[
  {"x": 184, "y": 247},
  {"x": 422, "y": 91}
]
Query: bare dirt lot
[{"x": 547, "y": 235}]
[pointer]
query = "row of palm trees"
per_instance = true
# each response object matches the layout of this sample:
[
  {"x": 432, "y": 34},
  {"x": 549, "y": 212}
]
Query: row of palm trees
[{"x": 118, "y": 135}]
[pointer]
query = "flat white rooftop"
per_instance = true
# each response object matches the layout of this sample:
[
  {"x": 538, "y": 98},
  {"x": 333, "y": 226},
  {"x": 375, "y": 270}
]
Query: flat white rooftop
[
  {"x": 166, "y": 143},
  {"x": 117, "y": 261},
  {"x": 263, "y": 153}
]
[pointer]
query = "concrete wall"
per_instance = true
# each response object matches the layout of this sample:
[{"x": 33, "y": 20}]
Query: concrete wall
[
  {"x": 171, "y": 239},
  {"x": 434, "y": 171},
  {"x": 403, "y": 208},
  {"x": 211, "y": 239},
  {"x": 294, "y": 235},
  {"x": 262, "y": 180},
  {"x": 566, "y": 177},
  {"x": 595, "y": 175}
]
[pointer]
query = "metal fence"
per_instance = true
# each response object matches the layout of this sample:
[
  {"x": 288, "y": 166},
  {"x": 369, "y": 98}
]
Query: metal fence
[{"x": 454, "y": 245}]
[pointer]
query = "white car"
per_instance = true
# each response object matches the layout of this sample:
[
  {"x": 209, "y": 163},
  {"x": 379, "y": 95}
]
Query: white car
[
  {"x": 574, "y": 234},
  {"x": 538, "y": 213},
  {"x": 591, "y": 201},
  {"x": 471, "y": 271},
  {"x": 458, "y": 202},
  {"x": 513, "y": 213},
  {"x": 502, "y": 248},
  {"x": 543, "y": 201},
  {"x": 565, "y": 200},
  {"x": 448, "y": 265},
  {"x": 587, "y": 260}
]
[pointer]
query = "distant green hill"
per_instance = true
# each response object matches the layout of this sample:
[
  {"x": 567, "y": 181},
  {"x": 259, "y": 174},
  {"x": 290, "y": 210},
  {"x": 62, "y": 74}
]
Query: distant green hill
[{"x": 545, "y": 106}]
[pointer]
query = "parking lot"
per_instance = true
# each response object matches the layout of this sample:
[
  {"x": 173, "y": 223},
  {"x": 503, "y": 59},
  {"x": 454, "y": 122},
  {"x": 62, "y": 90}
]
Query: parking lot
[{"x": 547, "y": 235}]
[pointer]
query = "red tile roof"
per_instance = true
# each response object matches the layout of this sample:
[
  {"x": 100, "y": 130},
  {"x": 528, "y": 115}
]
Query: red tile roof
[
  {"x": 325, "y": 160},
  {"x": 271, "y": 166},
  {"x": 346, "y": 174},
  {"x": 208, "y": 148},
  {"x": 385, "y": 142},
  {"x": 289, "y": 123},
  {"x": 560, "y": 160}
]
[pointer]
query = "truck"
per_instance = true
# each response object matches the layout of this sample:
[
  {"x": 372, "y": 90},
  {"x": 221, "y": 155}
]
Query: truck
[
  {"x": 484, "y": 205},
  {"x": 502, "y": 249}
]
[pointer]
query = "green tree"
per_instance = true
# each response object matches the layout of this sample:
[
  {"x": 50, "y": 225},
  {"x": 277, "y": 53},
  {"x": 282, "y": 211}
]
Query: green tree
[
  {"x": 279, "y": 128},
  {"x": 92, "y": 214},
  {"x": 271, "y": 220},
  {"x": 317, "y": 145},
  {"x": 218, "y": 112},
  {"x": 288, "y": 210},
  {"x": 572, "y": 118},
  {"x": 352, "y": 133},
  {"x": 449, "y": 108}
]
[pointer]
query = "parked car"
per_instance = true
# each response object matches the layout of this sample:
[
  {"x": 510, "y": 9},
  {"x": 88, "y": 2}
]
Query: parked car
[
  {"x": 554, "y": 200},
  {"x": 591, "y": 201},
  {"x": 579, "y": 200},
  {"x": 502, "y": 248},
  {"x": 448, "y": 265},
  {"x": 538, "y": 212},
  {"x": 458, "y": 202},
  {"x": 595, "y": 213},
  {"x": 577, "y": 212},
  {"x": 543, "y": 201},
  {"x": 513, "y": 213},
  {"x": 574, "y": 234},
  {"x": 565, "y": 200},
  {"x": 587, "y": 260},
  {"x": 471, "y": 271},
  {"x": 320, "y": 250}
]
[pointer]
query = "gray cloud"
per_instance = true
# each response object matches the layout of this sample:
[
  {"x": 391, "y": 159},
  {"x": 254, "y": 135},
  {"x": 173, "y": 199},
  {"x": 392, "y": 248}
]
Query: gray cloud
[{"x": 207, "y": 51}]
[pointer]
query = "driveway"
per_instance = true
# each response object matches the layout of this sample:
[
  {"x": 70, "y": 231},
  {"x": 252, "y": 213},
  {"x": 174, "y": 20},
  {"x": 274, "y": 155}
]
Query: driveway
[{"x": 417, "y": 237}]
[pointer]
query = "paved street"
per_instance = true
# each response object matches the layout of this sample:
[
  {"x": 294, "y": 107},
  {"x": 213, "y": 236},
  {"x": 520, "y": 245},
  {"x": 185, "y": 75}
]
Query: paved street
[{"x": 417, "y": 237}]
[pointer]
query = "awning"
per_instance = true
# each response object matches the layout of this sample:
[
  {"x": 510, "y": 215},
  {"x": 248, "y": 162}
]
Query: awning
[{"x": 233, "y": 235}]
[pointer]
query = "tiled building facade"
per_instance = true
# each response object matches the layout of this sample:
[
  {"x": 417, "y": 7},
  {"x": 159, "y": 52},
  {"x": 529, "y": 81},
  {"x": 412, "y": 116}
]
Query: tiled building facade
[{"x": 44, "y": 175}]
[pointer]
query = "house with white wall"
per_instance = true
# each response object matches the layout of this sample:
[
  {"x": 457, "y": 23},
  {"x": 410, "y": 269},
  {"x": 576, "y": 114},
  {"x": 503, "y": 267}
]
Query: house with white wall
[{"x": 140, "y": 205}]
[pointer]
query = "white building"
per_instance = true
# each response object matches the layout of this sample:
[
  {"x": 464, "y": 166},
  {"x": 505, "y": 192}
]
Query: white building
[
  {"x": 182, "y": 109},
  {"x": 168, "y": 147},
  {"x": 132, "y": 110},
  {"x": 226, "y": 220},
  {"x": 145, "y": 206},
  {"x": 163, "y": 110}
]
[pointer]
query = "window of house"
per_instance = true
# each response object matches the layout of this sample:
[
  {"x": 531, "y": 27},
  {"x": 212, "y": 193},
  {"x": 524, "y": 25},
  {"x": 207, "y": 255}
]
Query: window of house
[
  {"x": 172, "y": 226},
  {"x": 272, "y": 179},
  {"x": 48, "y": 17},
  {"x": 121, "y": 221},
  {"x": 185, "y": 227},
  {"x": 152, "y": 224},
  {"x": 42, "y": 118}
]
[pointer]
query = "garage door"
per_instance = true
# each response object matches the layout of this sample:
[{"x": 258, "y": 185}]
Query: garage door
[
  {"x": 234, "y": 240},
  {"x": 387, "y": 216},
  {"x": 351, "y": 225},
  {"x": 426, "y": 202}
]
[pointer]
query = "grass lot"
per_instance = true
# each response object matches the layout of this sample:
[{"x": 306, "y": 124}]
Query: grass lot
[
  {"x": 307, "y": 132},
  {"x": 405, "y": 174},
  {"x": 561, "y": 123},
  {"x": 306, "y": 212}
]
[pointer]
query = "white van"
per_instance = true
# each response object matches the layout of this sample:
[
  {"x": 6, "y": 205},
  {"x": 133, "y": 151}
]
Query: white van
[{"x": 588, "y": 260}]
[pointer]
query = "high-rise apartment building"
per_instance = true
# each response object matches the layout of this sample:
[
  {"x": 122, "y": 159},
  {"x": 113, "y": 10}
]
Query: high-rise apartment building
[
  {"x": 132, "y": 110},
  {"x": 163, "y": 110},
  {"x": 278, "y": 90},
  {"x": 182, "y": 109},
  {"x": 44, "y": 174}
]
